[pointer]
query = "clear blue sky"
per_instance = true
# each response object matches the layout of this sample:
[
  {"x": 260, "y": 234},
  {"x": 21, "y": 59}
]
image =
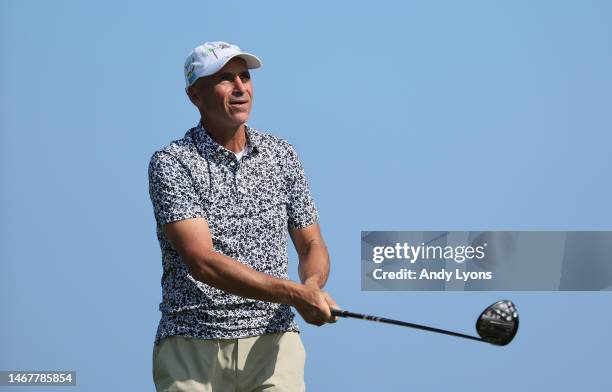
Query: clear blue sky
[{"x": 444, "y": 115}]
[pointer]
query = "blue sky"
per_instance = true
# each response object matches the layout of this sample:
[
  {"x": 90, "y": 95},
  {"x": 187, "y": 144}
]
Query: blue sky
[{"x": 418, "y": 115}]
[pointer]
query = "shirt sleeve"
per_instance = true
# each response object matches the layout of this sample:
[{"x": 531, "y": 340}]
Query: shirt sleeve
[
  {"x": 173, "y": 195},
  {"x": 301, "y": 209}
]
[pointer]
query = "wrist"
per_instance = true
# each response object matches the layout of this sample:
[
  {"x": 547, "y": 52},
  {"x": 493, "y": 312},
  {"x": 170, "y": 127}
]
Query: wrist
[
  {"x": 294, "y": 293},
  {"x": 314, "y": 280}
]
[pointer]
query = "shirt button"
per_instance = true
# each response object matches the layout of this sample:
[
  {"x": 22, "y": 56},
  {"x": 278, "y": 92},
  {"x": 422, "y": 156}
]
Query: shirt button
[
  {"x": 226, "y": 153},
  {"x": 232, "y": 163}
]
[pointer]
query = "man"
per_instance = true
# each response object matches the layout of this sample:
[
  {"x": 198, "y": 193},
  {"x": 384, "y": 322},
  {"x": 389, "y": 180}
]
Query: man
[{"x": 225, "y": 197}]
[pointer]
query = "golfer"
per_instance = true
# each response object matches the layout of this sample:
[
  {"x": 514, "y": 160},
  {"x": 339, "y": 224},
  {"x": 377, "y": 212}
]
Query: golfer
[{"x": 225, "y": 198}]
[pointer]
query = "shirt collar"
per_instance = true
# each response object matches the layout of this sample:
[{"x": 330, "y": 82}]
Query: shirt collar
[{"x": 207, "y": 146}]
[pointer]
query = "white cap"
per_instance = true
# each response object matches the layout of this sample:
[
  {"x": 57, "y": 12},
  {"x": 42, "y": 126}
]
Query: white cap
[{"x": 210, "y": 57}]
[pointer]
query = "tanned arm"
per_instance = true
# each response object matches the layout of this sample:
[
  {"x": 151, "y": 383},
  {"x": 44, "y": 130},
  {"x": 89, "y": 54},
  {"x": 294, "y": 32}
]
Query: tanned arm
[
  {"x": 313, "y": 257},
  {"x": 192, "y": 240}
]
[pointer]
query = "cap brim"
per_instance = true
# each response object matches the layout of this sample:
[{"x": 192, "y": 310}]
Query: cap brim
[{"x": 251, "y": 60}]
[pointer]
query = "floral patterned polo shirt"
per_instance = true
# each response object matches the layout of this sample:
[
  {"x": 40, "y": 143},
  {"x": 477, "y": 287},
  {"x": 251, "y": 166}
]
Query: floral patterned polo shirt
[{"x": 249, "y": 205}]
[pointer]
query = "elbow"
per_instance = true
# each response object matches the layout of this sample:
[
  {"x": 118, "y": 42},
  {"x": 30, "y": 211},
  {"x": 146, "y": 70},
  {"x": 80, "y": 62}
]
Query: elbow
[
  {"x": 311, "y": 245},
  {"x": 198, "y": 263}
]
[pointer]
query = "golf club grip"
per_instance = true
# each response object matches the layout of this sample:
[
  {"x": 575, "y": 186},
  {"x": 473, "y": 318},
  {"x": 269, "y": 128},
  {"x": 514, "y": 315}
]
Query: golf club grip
[{"x": 346, "y": 313}]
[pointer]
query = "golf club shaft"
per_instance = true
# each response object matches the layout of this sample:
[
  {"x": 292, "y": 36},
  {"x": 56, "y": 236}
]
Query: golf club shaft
[{"x": 346, "y": 313}]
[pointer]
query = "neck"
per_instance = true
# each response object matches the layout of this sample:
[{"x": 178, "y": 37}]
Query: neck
[{"x": 232, "y": 138}]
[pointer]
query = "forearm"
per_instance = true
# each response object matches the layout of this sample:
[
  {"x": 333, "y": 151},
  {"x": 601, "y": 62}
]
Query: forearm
[
  {"x": 229, "y": 275},
  {"x": 314, "y": 264}
]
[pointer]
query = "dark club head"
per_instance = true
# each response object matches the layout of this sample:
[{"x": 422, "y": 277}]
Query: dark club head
[{"x": 498, "y": 323}]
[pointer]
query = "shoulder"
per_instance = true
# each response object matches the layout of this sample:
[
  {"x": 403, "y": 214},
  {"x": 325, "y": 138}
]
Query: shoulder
[{"x": 175, "y": 152}]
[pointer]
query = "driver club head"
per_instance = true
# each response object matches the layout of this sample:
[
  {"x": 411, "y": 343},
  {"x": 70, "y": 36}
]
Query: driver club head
[{"x": 498, "y": 323}]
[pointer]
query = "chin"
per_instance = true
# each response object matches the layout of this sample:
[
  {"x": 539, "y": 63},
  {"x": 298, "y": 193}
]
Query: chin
[{"x": 240, "y": 118}]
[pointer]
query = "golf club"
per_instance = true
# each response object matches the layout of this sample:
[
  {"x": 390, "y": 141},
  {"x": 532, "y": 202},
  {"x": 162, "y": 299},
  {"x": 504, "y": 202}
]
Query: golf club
[{"x": 497, "y": 324}]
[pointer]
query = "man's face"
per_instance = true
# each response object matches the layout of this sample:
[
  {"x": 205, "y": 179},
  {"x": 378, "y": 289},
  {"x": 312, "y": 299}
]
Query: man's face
[{"x": 226, "y": 97}]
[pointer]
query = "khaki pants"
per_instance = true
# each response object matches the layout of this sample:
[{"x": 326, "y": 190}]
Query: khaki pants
[{"x": 271, "y": 363}]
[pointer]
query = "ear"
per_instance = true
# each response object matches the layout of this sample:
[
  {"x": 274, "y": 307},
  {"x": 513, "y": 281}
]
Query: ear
[{"x": 193, "y": 95}]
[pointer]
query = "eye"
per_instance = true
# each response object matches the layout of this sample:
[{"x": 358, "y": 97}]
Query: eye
[
  {"x": 245, "y": 76},
  {"x": 226, "y": 78}
]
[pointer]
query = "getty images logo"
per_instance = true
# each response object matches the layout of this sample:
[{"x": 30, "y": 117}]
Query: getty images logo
[{"x": 411, "y": 253}]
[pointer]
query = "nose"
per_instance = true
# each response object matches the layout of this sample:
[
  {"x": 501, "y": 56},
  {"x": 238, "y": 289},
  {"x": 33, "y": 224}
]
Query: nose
[{"x": 239, "y": 87}]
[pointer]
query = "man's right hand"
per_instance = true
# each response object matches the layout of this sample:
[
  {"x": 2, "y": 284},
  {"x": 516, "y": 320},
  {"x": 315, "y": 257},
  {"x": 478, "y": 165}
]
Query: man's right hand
[{"x": 314, "y": 305}]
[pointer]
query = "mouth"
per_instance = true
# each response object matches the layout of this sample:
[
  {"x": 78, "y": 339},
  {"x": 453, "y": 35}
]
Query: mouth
[{"x": 238, "y": 103}]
